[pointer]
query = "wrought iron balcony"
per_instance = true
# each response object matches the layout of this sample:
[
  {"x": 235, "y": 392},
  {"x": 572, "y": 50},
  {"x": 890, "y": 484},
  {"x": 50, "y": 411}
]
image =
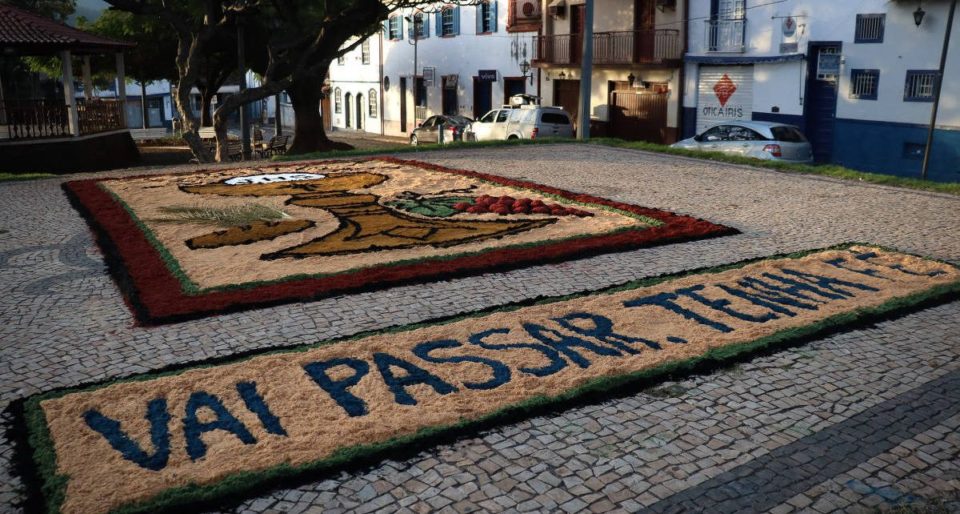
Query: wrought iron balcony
[
  {"x": 612, "y": 48},
  {"x": 726, "y": 35}
]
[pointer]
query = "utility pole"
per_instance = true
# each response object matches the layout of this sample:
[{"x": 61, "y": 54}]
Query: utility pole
[
  {"x": 936, "y": 91},
  {"x": 241, "y": 67},
  {"x": 586, "y": 71}
]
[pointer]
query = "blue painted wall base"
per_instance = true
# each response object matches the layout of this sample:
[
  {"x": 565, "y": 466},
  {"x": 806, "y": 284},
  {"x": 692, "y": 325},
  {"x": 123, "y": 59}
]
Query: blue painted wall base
[{"x": 881, "y": 147}]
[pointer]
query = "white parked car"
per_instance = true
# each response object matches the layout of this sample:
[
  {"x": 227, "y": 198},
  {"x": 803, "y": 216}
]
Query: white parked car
[
  {"x": 759, "y": 139},
  {"x": 523, "y": 122}
]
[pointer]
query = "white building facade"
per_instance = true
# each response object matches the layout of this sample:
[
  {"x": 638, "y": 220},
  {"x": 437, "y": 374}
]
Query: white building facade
[
  {"x": 468, "y": 60},
  {"x": 856, "y": 77},
  {"x": 637, "y": 50}
]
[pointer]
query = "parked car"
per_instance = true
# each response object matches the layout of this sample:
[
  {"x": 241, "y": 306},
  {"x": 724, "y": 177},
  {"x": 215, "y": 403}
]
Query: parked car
[
  {"x": 759, "y": 139},
  {"x": 523, "y": 122},
  {"x": 429, "y": 130}
]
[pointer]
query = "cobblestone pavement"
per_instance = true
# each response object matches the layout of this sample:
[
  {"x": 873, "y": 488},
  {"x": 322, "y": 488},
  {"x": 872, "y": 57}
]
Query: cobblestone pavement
[{"x": 862, "y": 420}]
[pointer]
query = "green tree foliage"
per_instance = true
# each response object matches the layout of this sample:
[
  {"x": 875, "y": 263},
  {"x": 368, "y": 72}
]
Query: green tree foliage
[
  {"x": 154, "y": 56},
  {"x": 59, "y": 10}
]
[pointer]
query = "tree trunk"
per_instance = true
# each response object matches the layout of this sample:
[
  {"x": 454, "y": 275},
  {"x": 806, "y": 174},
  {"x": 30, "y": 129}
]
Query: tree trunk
[
  {"x": 236, "y": 101},
  {"x": 308, "y": 133},
  {"x": 206, "y": 97},
  {"x": 190, "y": 122},
  {"x": 143, "y": 102}
]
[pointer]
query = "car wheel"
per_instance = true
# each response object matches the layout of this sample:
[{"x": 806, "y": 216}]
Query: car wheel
[{"x": 414, "y": 141}]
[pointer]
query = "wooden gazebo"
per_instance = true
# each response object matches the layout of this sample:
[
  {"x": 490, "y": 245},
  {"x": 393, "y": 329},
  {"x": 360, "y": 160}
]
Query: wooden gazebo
[{"x": 72, "y": 135}]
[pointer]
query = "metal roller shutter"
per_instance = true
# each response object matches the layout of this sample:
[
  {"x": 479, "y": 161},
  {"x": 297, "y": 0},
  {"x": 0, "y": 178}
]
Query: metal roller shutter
[{"x": 724, "y": 93}]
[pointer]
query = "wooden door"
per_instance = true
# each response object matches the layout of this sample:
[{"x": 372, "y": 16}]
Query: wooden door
[
  {"x": 644, "y": 26},
  {"x": 566, "y": 94},
  {"x": 576, "y": 33}
]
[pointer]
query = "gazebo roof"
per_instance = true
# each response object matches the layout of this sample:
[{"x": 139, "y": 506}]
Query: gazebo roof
[{"x": 25, "y": 33}]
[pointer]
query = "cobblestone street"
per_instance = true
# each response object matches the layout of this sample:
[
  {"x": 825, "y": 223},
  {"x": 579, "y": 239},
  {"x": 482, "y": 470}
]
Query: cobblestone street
[{"x": 860, "y": 420}]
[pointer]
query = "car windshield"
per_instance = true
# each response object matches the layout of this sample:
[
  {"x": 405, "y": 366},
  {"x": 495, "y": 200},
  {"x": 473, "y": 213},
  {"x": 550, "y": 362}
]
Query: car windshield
[
  {"x": 788, "y": 134},
  {"x": 488, "y": 117}
]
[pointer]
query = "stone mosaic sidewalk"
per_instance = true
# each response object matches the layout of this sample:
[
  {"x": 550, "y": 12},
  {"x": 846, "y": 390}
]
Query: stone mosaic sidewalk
[{"x": 858, "y": 421}]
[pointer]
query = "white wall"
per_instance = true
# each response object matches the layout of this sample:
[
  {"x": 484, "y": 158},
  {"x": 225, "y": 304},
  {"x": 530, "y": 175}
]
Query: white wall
[
  {"x": 905, "y": 46},
  {"x": 354, "y": 77},
  {"x": 461, "y": 55}
]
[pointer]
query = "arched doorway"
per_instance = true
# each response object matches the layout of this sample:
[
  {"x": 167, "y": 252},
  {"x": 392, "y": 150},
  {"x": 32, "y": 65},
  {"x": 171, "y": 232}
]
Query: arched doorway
[
  {"x": 359, "y": 111},
  {"x": 346, "y": 110}
]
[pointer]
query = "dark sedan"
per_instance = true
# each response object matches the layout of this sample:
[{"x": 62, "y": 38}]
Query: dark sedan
[{"x": 429, "y": 131}]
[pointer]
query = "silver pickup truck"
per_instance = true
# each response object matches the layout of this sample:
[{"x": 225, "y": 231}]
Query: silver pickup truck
[{"x": 523, "y": 122}]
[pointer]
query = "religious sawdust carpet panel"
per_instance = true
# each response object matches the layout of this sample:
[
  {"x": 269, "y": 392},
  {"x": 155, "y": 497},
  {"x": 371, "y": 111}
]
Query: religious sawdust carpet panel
[
  {"x": 165, "y": 440},
  {"x": 188, "y": 245}
]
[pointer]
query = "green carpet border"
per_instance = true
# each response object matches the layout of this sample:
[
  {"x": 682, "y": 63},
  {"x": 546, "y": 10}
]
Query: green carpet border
[{"x": 52, "y": 486}]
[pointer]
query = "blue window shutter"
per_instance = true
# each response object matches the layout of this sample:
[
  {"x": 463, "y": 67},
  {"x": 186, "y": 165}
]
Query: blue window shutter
[
  {"x": 479, "y": 18},
  {"x": 438, "y": 20},
  {"x": 426, "y": 25},
  {"x": 410, "y": 34},
  {"x": 386, "y": 27},
  {"x": 493, "y": 15},
  {"x": 456, "y": 20}
]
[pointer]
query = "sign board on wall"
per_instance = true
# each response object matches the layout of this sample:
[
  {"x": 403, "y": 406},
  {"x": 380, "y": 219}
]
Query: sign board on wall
[
  {"x": 724, "y": 93},
  {"x": 487, "y": 75}
]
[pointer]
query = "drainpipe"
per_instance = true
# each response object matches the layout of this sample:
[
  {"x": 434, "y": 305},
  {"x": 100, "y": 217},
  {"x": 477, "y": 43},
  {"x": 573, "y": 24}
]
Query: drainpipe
[
  {"x": 586, "y": 72},
  {"x": 381, "y": 107},
  {"x": 936, "y": 91},
  {"x": 682, "y": 76}
]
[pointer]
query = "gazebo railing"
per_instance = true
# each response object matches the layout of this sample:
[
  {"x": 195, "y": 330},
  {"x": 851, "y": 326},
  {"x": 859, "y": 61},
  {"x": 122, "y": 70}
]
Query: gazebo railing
[
  {"x": 33, "y": 119},
  {"x": 39, "y": 119},
  {"x": 99, "y": 116}
]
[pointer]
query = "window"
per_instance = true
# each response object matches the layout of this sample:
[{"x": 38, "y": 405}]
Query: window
[
  {"x": 718, "y": 133},
  {"x": 488, "y": 117},
  {"x": 731, "y": 9},
  {"x": 744, "y": 134},
  {"x": 828, "y": 63},
  {"x": 372, "y": 100},
  {"x": 448, "y": 21},
  {"x": 420, "y": 24},
  {"x": 788, "y": 134},
  {"x": 919, "y": 85},
  {"x": 863, "y": 84},
  {"x": 869, "y": 28},
  {"x": 913, "y": 150},
  {"x": 487, "y": 17},
  {"x": 365, "y": 52},
  {"x": 395, "y": 28},
  {"x": 337, "y": 100},
  {"x": 554, "y": 117},
  {"x": 502, "y": 116}
]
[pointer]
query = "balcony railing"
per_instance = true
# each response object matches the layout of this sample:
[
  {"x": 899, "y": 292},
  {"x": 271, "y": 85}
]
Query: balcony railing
[
  {"x": 100, "y": 116},
  {"x": 726, "y": 35},
  {"x": 31, "y": 119},
  {"x": 38, "y": 119},
  {"x": 612, "y": 48}
]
